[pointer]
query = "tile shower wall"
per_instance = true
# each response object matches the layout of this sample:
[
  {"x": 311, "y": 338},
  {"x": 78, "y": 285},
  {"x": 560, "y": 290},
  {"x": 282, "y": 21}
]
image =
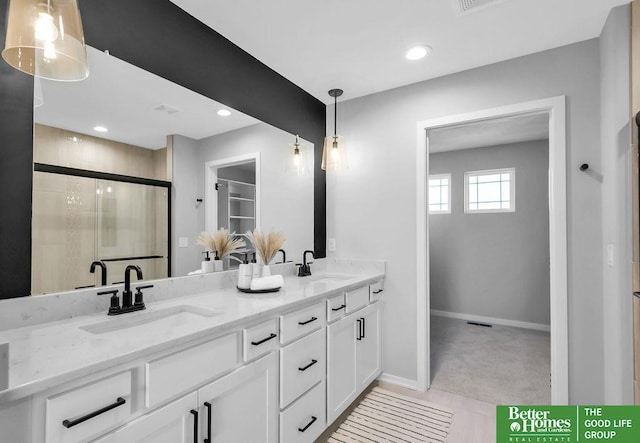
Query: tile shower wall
[
  {"x": 77, "y": 220},
  {"x": 60, "y": 147}
]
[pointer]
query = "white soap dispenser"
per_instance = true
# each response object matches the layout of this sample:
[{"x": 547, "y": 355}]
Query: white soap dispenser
[
  {"x": 217, "y": 263},
  {"x": 244, "y": 273},
  {"x": 207, "y": 264}
]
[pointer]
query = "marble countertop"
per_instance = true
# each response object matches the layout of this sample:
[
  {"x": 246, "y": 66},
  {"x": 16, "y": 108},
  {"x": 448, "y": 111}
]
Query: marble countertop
[{"x": 49, "y": 354}]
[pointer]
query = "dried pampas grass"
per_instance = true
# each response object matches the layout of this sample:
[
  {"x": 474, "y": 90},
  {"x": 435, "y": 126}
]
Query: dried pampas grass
[
  {"x": 266, "y": 246},
  {"x": 221, "y": 242}
]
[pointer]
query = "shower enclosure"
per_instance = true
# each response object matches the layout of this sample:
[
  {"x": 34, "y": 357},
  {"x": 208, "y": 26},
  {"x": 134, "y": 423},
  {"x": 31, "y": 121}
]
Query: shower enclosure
[{"x": 83, "y": 216}]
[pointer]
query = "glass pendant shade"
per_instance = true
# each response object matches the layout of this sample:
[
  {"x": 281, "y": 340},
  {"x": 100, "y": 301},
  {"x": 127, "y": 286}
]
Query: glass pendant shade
[
  {"x": 45, "y": 39},
  {"x": 297, "y": 159},
  {"x": 333, "y": 154}
]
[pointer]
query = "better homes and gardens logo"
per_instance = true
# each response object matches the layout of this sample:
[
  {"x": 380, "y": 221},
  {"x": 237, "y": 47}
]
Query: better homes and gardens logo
[{"x": 537, "y": 424}]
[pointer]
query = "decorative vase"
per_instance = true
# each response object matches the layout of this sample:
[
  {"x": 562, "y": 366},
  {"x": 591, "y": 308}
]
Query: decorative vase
[{"x": 266, "y": 271}]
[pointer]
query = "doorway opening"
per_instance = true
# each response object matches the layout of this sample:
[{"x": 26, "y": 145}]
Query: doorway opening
[
  {"x": 489, "y": 259},
  {"x": 553, "y": 110},
  {"x": 232, "y": 197}
]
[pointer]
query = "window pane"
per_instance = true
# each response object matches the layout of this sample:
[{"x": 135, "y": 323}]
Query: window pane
[
  {"x": 434, "y": 195},
  {"x": 489, "y": 192},
  {"x": 506, "y": 191},
  {"x": 488, "y": 178},
  {"x": 473, "y": 193},
  {"x": 439, "y": 194},
  {"x": 489, "y": 205}
]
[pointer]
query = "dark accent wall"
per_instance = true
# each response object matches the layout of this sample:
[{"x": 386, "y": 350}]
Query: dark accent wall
[
  {"x": 159, "y": 37},
  {"x": 16, "y": 163}
]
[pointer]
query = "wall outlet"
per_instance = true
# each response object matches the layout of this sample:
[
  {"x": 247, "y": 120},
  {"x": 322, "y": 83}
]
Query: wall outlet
[
  {"x": 183, "y": 242},
  {"x": 331, "y": 244},
  {"x": 610, "y": 252}
]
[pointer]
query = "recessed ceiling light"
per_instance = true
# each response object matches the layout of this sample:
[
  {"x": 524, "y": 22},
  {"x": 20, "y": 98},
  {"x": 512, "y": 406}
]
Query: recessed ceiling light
[
  {"x": 418, "y": 52},
  {"x": 100, "y": 129},
  {"x": 224, "y": 113}
]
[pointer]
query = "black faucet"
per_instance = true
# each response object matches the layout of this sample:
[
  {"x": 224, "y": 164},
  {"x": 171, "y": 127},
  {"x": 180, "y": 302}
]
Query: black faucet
[
  {"x": 305, "y": 270},
  {"x": 103, "y": 275},
  {"x": 127, "y": 295},
  {"x": 284, "y": 255}
]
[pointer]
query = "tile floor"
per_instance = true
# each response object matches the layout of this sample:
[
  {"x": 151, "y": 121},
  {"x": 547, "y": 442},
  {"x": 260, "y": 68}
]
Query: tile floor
[{"x": 473, "y": 420}]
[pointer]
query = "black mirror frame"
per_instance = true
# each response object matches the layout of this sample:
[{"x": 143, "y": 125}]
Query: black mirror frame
[{"x": 161, "y": 38}]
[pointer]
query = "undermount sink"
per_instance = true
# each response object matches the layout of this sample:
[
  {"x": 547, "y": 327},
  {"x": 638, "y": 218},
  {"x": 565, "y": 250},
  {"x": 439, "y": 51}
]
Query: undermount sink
[
  {"x": 330, "y": 278},
  {"x": 161, "y": 319}
]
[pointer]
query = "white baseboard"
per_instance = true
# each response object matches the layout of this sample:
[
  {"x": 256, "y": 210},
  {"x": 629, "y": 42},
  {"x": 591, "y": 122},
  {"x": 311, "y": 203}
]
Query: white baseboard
[
  {"x": 400, "y": 381},
  {"x": 493, "y": 321}
]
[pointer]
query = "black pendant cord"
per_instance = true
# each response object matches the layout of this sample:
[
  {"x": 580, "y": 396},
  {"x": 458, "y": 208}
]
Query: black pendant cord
[
  {"x": 335, "y": 93},
  {"x": 335, "y": 116}
]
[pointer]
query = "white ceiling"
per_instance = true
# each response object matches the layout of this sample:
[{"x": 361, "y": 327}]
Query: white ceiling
[
  {"x": 492, "y": 132},
  {"x": 121, "y": 97},
  {"x": 359, "y": 45}
]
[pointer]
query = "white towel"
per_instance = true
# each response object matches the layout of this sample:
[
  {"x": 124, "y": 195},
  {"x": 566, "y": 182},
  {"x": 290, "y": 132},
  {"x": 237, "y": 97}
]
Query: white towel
[
  {"x": 196, "y": 272},
  {"x": 272, "y": 282}
]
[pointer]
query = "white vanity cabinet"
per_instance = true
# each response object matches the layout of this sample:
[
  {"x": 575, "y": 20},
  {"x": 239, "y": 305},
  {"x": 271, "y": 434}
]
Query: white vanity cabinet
[
  {"x": 173, "y": 423},
  {"x": 353, "y": 357},
  {"x": 242, "y": 406},
  {"x": 281, "y": 377},
  {"x": 239, "y": 407}
]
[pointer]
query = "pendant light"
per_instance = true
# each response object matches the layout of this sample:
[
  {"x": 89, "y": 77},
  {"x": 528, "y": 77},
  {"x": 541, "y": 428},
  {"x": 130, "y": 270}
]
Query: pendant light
[
  {"x": 297, "y": 162},
  {"x": 45, "y": 39},
  {"x": 333, "y": 152}
]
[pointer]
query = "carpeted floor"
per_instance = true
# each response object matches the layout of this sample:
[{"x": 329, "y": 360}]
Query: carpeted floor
[{"x": 501, "y": 365}]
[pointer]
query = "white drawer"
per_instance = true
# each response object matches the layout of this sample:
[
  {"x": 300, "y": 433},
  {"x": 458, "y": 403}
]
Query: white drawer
[
  {"x": 302, "y": 365},
  {"x": 260, "y": 339},
  {"x": 356, "y": 299},
  {"x": 85, "y": 412},
  {"x": 301, "y": 322},
  {"x": 335, "y": 308},
  {"x": 375, "y": 291},
  {"x": 305, "y": 420},
  {"x": 169, "y": 376}
]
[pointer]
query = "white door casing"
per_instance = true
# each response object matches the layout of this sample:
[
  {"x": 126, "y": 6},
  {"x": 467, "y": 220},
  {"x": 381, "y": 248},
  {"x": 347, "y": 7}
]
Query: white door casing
[{"x": 555, "y": 107}]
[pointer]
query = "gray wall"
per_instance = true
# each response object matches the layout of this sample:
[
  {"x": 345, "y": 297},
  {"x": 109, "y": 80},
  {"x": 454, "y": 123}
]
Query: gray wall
[
  {"x": 493, "y": 264},
  {"x": 377, "y": 194},
  {"x": 184, "y": 214},
  {"x": 287, "y": 200},
  {"x": 615, "y": 141}
]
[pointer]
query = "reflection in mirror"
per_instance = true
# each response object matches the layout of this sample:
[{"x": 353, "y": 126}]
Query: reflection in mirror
[{"x": 159, "y": 137}]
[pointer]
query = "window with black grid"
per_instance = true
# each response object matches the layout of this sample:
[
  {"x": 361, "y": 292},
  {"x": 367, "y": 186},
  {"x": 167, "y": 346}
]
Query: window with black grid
[{"x": 490, "y": 191}]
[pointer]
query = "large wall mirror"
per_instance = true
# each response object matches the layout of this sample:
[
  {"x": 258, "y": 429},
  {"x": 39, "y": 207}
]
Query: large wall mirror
[{"x": 167, "y": 167}]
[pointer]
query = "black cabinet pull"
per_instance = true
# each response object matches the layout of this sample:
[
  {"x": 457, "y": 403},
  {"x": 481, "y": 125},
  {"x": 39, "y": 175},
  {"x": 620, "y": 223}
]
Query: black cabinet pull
[
  {"x": 71, "y": 423},
  {"x": 313, "y": 362},
  {"x": 208, "y": 439},
  {"x": 364, "y": 329},
  {"x": 313, "y": 420},
  {"x": 359, "y": 337},
  {"x": 312, "y": 319},
  {"x": 271, "y": 337},
  {"x": 195, "y": 425},
  {"x": 378, "y": 291},
  {"x": 339, "y": 308}
]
